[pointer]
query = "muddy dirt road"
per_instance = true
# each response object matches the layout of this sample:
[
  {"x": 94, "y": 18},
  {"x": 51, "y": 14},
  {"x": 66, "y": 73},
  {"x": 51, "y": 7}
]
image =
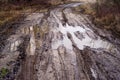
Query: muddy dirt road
[{"x": 61, "y": 44}]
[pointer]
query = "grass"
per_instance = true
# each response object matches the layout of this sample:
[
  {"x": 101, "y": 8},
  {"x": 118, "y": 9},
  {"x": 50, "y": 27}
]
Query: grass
[
  {"x": 9, "y": 12},
  {"x": 3, "y": 72},
  {"x": 8, "y": 16},
  {"x": 85, "y": 9},
  {"x": 104, "y": 16},
  {"x": 10, "y": 9},
  {"x": 107, "y": 17},
  {"x": 109, "y": 21}
]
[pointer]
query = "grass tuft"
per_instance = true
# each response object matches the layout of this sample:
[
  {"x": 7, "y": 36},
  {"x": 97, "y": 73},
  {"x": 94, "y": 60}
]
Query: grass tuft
[{"x": 3, "y": 72}]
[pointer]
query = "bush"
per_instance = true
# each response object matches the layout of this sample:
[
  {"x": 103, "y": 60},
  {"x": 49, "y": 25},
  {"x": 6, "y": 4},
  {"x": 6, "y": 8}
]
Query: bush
[{"x": 107, "y": 7}]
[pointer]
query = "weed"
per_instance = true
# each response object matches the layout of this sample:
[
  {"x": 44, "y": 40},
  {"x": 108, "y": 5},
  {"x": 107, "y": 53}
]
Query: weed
[{"x": 3, "y": 72}]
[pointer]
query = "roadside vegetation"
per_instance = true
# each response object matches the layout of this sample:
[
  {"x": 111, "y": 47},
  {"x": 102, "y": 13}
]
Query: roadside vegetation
[
  {"x": 3, "y": 72},
  {"x": 12, "y": 9},
  {"x": 108, "y": 15},
  {"x": 105, "y": 14}
]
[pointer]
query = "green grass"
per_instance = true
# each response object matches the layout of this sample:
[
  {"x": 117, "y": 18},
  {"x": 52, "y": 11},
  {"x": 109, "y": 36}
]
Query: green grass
[{"x": 3, "y": 72}]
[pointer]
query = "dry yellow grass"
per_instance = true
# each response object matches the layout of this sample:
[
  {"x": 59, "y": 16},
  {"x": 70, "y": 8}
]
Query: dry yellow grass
[
  {"x": 86, "y": 9},
  {"x": 6, "y": 16},
  {"x": 9, "y": 12},
  {"x": 108, "y": 21}
]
